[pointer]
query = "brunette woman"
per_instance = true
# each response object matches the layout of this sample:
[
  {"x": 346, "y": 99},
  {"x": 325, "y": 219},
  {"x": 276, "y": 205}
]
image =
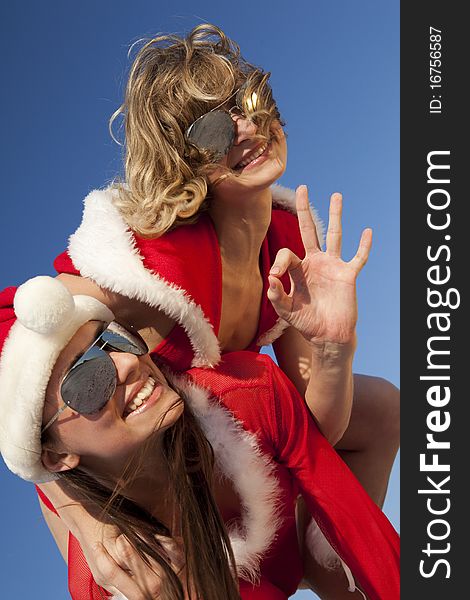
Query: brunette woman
[{"x": 81, "y": 400}]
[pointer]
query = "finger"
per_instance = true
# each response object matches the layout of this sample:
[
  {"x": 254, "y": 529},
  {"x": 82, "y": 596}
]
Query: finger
[
  {"x": 282, "y": 303},
  {"x": 112, "y": 577},
  {"x": 126, "y": 555},
  {"x": 174, "y": 550},
  {"x": 148, "y": 576},
  {"x": 285, "y": 260},
  {"x": 335, "y": 231},
  {"x": 362, "y": 254},
  {"x": 308, "y": 231}
]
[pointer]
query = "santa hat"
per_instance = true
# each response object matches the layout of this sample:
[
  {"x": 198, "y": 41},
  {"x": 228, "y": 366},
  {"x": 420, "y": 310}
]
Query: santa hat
[{"x": 36, "y": 324}]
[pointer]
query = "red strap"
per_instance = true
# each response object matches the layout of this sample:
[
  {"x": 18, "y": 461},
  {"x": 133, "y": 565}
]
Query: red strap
[{"x": 45, "y": 500}]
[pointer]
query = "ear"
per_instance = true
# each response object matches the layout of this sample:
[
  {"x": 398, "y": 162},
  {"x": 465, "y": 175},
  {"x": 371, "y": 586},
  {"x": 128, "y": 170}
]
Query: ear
[{"x": 59, "y": 461}]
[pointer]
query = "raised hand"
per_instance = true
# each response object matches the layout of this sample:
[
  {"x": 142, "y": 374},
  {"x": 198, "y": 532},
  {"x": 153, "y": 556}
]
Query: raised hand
[
  {"x": 119, "y": 569},
  {"x": 322, "y": 302}
]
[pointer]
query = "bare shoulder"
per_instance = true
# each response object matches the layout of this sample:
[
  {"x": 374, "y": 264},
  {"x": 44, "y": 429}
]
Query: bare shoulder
[
  {"x": 153, "y": 324},
  {"x": 82, "y": 285}
]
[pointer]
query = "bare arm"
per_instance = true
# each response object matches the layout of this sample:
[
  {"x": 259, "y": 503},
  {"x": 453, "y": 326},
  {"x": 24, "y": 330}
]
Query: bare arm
[
  {"x": 323, "y": 375},
  {"x": 152, "y": 324},
  {"x": 317, "y": 351},
  {"x": 113, "y": 562}
]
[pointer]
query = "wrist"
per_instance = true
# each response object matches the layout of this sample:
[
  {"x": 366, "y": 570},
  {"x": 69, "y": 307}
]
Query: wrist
[{"x": 333, "y": 354}]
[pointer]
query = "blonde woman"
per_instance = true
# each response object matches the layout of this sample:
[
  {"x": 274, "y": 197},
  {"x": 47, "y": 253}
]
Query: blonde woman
[{"x": 203, "y": 253}]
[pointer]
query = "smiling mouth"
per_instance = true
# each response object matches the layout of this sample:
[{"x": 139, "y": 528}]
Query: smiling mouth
[
  {"x": 141, "y": 397},
  {"x": 251, "y": 157}
]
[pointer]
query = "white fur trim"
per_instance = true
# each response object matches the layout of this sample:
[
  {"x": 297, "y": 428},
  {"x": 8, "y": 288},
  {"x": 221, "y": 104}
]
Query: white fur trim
[
  {"x": 285, "y": 198},
  {"x": 43, "y": 304},
  {"x": 240, "y": 459},
  {"x": 103, "y": 249},
  {"x": 26, "y": 364},
  {"x": 272, "y": 334}
]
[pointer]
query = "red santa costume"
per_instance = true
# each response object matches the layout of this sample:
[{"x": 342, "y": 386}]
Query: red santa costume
[
  {"x": 283, "y": 452},
  {"x": 267, "y": 444},
  {"x": 179, "y": 273}
]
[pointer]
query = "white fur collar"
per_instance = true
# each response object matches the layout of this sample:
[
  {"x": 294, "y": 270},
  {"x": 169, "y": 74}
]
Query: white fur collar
[
  {"x": 240, "y": 459},
  {"x": 103, "y": 249}
]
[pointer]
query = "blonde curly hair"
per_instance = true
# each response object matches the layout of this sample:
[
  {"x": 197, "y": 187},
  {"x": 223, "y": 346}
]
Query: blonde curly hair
[{"x": 172, "y": 82}]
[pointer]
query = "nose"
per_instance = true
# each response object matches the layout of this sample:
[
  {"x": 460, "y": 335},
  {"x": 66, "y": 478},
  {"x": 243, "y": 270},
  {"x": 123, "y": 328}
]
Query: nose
[
  {"x": 244, "y": 129},
  {"x": 127, "y": 367}
]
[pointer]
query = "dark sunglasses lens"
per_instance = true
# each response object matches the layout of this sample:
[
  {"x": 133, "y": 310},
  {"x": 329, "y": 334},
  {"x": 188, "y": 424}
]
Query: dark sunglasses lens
[
  {"x": 215, "y": 132},
  {"x": 90, "y": 385}
]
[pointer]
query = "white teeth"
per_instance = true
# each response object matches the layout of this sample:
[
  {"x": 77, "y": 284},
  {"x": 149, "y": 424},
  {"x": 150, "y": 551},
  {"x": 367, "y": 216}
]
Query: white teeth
[
  {"x": 142, "y": 396},
  {"x": 252, "y": 157}
]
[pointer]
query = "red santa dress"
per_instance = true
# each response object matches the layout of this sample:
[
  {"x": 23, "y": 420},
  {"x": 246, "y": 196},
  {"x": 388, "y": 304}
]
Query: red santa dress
[{"x": 180, "y": 273}]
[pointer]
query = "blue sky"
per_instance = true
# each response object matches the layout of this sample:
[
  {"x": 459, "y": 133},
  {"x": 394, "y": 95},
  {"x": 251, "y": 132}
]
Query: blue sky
[{"x": 335, "y": 75}]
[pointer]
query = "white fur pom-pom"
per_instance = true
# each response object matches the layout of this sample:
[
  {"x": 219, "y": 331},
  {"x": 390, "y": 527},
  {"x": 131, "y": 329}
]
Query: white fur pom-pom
[{"x": 42, "y": 304}]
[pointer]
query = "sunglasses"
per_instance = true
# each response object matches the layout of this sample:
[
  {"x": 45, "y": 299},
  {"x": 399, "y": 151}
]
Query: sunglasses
[
  {"x": 215, "y": 130},
  {"x": 92, "y": 380}
]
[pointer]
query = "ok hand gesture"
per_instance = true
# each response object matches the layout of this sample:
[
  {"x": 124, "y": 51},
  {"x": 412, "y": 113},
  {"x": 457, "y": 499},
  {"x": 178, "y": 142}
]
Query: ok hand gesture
[{"x": 322, "y": 302}]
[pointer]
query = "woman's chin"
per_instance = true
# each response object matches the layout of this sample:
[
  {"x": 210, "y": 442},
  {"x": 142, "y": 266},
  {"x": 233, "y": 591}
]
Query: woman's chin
[{"x": 259, "y": 174}]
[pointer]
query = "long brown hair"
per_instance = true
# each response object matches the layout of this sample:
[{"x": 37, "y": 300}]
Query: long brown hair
[
  {"x": 209, "y": 561},
  {"x": 172, "y": 82}
]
